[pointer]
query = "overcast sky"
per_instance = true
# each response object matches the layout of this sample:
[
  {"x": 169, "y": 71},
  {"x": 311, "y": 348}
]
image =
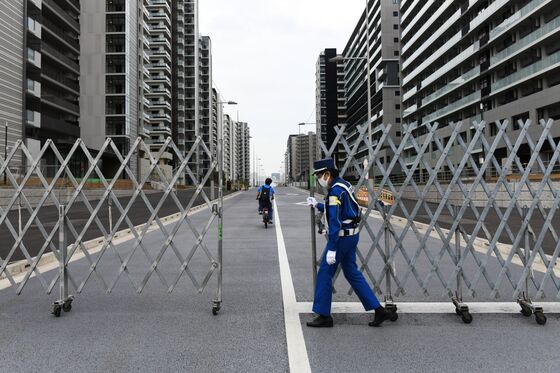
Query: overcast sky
[{"x": 264, "y": 55}]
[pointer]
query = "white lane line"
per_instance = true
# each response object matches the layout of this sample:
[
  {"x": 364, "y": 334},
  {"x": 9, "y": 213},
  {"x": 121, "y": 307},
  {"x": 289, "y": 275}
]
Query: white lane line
[
  {"x": 436, "y": 307},
  {"x": 297, "y": 352}
]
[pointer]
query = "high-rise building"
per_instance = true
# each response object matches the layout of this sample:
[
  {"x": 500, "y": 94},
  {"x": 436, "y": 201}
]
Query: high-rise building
[
  {"x": 330, "y": 97},
  {"x": 205, "y": 101},
  {"x": 229, "y": 148},
  {"x": 157, "y": 101},
  {"x": 112, "y": 69},
  {"x": 381, "y": 34},
  {"x": 39, "y": 74},
  {"x": 480, "y": 60},
  {"x": 299, "y": 149},
  {"x": 242, "y": 153}
]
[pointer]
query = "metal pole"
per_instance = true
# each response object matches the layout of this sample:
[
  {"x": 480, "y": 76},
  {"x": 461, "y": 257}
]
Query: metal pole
[
  {"x": 110, "y": 203},
  {"x": 459, "y": 293},
  {"x": 5, "y": 150},
  {"x": 63, "y": 252},
  {"x": 526, "y": 252},
  {"x": 220, "y": 155},
  {"x": 388, "y": 296},
  {"x": 312, "y": 211}
]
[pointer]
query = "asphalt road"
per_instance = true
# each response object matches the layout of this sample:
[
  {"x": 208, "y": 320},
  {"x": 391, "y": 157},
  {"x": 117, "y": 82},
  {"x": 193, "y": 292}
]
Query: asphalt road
[
  {"x": 157, "y": 331},
  {"x": 492, "y": 222},
  {"x": 79, "y": 215}
]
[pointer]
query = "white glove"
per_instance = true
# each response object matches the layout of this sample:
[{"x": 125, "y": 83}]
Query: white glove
[
  {"x": 331, "y": 257},
  {"x": 311, "y": 201}
]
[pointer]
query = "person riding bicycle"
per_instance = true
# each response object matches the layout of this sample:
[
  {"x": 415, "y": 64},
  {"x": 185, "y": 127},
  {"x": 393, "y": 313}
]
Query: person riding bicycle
[{"x": 265, "y": 196}]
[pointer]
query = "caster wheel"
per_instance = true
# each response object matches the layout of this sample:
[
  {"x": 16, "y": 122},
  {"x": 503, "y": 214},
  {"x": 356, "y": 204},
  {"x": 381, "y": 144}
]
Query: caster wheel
[
  {"x": 57, "y": 310},
  {"x": 67, "y": 306},
  {"x": 540, "y": 318},
  {"x": 526, "y": 311},
  {"x": 394, "y": 316},
  {"x": 215, "y": 309},
  {"x": 466, "y": 317}
]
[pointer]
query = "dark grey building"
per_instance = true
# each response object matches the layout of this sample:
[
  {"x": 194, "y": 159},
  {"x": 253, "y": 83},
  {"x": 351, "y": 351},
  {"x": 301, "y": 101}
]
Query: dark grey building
[
  {"x": 330, "y": 97},
  {"x": 40, "y": 44}
]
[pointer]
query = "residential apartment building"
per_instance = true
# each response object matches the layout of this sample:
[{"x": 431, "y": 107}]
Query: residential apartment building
[
  {"x": 330, "y": 98},
  {"x": 480, "y": 60},
  {"x": 380, "y": 33},
  {"x": 242, "y": 153},
  {"x": 299, "y": 149},
  {"x": 229, "y": 148},
  {"x": 158, "y": 100},
  {"x": 112, "y": 71},
  {"x": 39, "y": 75}
]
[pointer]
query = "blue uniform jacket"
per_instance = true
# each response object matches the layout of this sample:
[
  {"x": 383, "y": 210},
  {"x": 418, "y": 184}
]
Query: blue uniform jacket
[{"x": 340, "y": 209}]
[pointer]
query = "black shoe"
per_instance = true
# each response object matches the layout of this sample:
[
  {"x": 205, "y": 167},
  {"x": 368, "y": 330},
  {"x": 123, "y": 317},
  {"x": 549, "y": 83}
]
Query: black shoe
[
  {"x": 260, "y": 212},
  {"x": 381, "y": 315},
  {"x": 321, "y": 322}
]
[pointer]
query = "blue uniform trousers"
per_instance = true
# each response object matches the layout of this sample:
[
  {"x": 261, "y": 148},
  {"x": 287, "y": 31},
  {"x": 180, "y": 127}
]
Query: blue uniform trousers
[{"x": 346, "y": 257}]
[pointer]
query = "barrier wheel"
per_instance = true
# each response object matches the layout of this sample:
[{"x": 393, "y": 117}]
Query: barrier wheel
[
  {"x": 466, "y": 317},
  {"x": 526, "y": 311},
  {"x": 57, "y": 310},
  {"x": 67, "y": 306},
  {"x": 540, "y": 318},
  {"x": 215, "y": 308},
  {"x": 394, "y": 316}
]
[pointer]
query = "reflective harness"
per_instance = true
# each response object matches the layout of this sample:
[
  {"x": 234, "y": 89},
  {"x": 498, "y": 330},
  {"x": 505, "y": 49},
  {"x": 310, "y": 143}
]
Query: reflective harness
[{"x": 355, "y": 221}]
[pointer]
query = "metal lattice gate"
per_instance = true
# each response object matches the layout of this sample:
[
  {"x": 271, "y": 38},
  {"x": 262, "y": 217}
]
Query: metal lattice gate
[
  {"x": 130, "y": 213},
  {"x": 477, "y": 216}
]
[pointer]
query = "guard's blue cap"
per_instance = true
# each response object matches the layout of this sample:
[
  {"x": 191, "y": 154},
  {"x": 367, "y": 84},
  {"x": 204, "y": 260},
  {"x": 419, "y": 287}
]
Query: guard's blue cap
[{"x": 323, "y": 164}]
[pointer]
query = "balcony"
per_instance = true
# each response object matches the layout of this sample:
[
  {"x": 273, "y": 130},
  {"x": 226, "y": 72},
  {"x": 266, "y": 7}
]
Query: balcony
[
  {"x": 62, "y": 14},
  {"x": 451, "y": 108},
  {"x": 62, "y": 104},
  {"x": 37, "y": 3},
  {"x": 539, "y": 67},
  {"x": 33, "y": 88},
  {"x": 34, "y": 27},
  {"x": 518, "y": 16},
  {"x": 33, "y": 118},
  {"x": 463, "y": 79},
  {"x": 541, "y": 33},
  {"x": 51, "y": 52},
  {"x": 34, "y": 57}
]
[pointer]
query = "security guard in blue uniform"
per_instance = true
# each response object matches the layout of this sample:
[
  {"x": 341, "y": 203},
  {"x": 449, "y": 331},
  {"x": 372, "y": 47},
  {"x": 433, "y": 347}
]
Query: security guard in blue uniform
[{"x": 343, "y": 218}]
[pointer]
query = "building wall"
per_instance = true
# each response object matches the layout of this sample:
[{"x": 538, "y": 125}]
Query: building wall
[
  {"x": 473, "y": 61},
  {"x": 11, "y": 74}
]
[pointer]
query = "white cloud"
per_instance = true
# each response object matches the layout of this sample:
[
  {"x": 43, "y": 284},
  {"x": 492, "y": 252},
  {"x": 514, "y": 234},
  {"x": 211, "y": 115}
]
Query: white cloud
[{"x": 264, "y": 55}]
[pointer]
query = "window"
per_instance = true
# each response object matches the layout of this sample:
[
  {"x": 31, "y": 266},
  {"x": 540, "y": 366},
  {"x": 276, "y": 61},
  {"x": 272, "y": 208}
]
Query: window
[
  {"x": 395, "y": 14},
  {"x": 398, "y": 106},
  {"x": 398, "y": 134},
  {"x": 397, "y": 93},
  {"x": 395, "y": 27},
  {"x": 397, "y": 120},
  {"x": 396, "y": 53},
  {"x": 396, "y": 40}
]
